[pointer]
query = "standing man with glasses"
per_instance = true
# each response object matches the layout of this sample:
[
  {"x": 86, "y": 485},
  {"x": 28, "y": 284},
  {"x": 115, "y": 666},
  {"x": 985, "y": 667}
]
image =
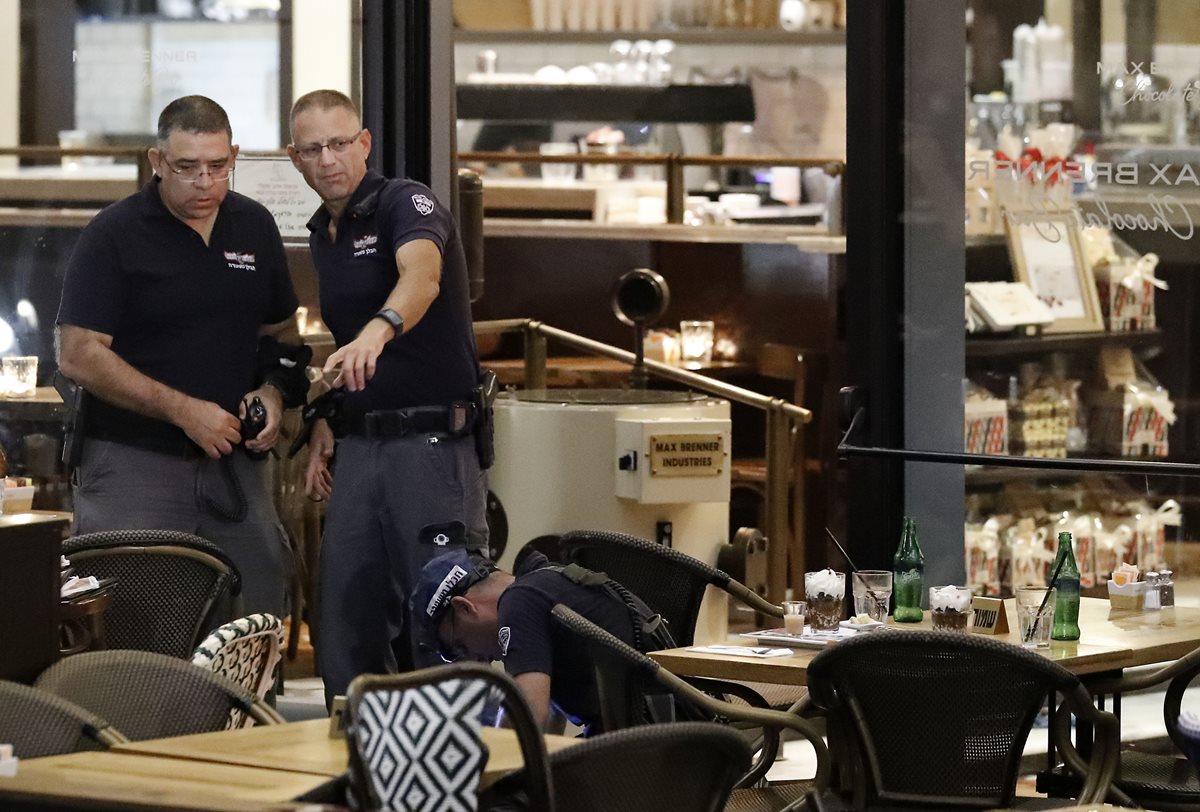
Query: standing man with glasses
[
  {"x": 408, "y": 483},
  {"x": 173, "y": 306}
]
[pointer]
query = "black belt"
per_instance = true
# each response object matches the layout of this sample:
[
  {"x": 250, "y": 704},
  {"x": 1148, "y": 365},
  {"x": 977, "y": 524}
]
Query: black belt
[
  {"x": 180, "y": 447},
  {"x": 457, "y": 419}
]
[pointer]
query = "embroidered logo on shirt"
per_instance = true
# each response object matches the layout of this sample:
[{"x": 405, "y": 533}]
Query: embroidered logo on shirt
[
  {"x": 503, "y": 637},
  {"x": 363, "y": 246},
  {"x": 441, "y": 539},
  {"x": 240, "y": 261},
  {"x": 423, "y": 204}
]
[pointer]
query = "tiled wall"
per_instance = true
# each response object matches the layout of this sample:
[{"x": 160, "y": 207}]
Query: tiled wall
[
  {"x": 800, "y": 91},
  {"x": 126, "y": 72}
]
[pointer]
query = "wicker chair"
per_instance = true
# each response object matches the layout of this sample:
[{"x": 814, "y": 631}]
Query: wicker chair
[
  {"x": 681, "y": 767},
  {"x": 415, "y": 738},
  {"x": 938, "y": 720},
  {"x": 37, "y": 723},
  {"x": 247, "y": 651},
  {"x": 151, "y": 696},
  {"x": 626, "y": 677},
  {"x": 1155, "y": 781},
  {"x": 171, "y": 588}
]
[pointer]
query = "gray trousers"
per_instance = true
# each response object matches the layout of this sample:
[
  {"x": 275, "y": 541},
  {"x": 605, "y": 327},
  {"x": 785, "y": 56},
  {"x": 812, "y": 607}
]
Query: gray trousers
[
  {"x": 120, "y": 487},
  {"x": 392, "y": 499}
]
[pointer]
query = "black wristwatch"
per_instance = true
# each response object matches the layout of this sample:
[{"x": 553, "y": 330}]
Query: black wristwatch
[{"x": 391, "y": 317}]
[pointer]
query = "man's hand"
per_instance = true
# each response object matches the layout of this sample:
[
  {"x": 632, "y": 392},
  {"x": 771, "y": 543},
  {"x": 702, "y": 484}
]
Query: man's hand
[
  {"x": 209, "y": 426},
  {"x": 318, "y": 480},
  {"x": 357, "y": 359},
  {"x": 535, "y": 687},
  {"x": 272, "y": 399}
]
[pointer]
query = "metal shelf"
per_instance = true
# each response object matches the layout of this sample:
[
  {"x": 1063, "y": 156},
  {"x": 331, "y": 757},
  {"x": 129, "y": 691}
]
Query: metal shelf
[
  {"x": 683, "y": 36},
  {"x": 711, "y": 104},
  {"x": 1061, "y": 342}
]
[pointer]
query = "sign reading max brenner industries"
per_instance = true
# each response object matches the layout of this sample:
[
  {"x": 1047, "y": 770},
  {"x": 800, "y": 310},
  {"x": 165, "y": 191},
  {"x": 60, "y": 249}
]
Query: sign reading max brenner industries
[{"x": 687, "y": 455}]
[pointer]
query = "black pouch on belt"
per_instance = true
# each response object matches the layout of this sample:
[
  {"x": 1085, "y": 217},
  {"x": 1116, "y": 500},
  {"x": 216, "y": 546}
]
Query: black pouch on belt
[{"x": 482, "y": 397}]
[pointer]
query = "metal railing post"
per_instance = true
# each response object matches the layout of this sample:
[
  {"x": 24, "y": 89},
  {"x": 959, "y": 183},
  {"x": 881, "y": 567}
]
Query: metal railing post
[
  {"x": 777, "y": 530},
  {"x": 535, "y": 356}
]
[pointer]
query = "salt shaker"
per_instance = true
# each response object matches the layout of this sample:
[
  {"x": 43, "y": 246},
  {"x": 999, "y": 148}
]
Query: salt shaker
[
  {"x": 1166, "y": 589},
  {"x": 1152, "y": 593}
]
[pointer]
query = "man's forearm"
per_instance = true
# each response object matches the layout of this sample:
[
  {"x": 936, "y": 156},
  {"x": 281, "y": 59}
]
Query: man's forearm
[{"x": 109, "y": 377}]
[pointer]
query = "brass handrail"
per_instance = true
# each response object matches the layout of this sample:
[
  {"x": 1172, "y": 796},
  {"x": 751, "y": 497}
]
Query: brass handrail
[
  {"x": 782, "y": 436},
  {"x": 672, "y": 163}
]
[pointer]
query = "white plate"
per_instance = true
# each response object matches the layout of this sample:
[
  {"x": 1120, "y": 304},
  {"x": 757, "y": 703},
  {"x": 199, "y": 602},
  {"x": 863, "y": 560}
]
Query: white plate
[{"x": 861, "y": 627}]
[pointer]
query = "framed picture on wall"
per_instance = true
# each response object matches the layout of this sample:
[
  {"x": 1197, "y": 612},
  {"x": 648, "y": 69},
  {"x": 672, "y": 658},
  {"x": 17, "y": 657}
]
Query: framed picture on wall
[{"x": 1047, "y": 255}]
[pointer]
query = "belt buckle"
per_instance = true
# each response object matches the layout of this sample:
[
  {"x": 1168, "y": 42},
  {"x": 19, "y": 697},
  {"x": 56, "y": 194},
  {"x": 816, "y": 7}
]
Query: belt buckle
[{"x": 460, "y": 417}]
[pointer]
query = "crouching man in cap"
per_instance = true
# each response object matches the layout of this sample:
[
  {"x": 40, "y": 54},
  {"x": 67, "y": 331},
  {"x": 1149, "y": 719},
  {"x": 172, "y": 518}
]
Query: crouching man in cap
[{"x": 466, "y": 608}]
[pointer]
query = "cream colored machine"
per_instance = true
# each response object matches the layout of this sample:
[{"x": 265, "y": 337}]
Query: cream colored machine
[{"x": 642, "y": 462}]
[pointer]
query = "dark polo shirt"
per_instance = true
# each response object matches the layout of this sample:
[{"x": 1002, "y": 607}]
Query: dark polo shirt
[
  {"x": 434, "y": 363},
  {"x": 181, "y": 312}
]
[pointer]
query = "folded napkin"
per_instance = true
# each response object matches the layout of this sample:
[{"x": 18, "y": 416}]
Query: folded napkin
[
  {"x": 744, "y": 651},
  {"x": 76, "y": 586}
]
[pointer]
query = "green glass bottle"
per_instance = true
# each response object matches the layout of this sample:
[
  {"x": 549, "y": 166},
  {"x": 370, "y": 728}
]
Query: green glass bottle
[
  {"x": 1066, "y": 602},
  {"x": 908, "y": 575}
]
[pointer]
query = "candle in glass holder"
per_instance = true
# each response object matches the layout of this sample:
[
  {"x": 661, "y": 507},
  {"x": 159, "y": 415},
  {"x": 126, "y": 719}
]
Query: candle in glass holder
[{"x": 696, "y": 343}]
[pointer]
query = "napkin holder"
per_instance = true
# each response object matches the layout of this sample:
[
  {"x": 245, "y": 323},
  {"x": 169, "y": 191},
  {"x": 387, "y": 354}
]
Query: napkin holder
[
  {"x": 990, "y": 616},
  {"x": 1128, "y": 596}
]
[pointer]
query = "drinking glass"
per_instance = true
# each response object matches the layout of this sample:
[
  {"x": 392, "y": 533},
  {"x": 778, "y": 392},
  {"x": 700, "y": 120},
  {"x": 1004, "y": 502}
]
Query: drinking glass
[
  {"x": 1034, "y": 622},
  {"x": 950, "y": 607},
  {"x": 20, "y": 375},
  {"x": 872, "y": 593},
  {"x": 825, "y": 592},
  {"x": 602, "y": 172},
  {"x": 793, "y": 617},
  {"x": 696, "y": 343},
  {"x": 558, "y": 173}
]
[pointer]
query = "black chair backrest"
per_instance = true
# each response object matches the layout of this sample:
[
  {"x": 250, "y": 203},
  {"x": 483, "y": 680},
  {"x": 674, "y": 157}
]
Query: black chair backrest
[
  {"x": 171, "y": 588},
  {"x": 414, "y": 738},
  {"x": 670, "y": 582},
  {"x": 681, "y": 767},
  {"x": 937, "y": 718},
  {"x": 38, "y": 723},
  {"x": 148, "y": 695}
]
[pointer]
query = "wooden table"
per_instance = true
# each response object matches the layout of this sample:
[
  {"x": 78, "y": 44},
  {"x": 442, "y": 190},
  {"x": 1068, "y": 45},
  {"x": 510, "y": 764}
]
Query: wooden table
[
  {"x": 306, "y": 747},
  {"x": 1110, "y": 641},
  {"x": 251, "y": 768}
]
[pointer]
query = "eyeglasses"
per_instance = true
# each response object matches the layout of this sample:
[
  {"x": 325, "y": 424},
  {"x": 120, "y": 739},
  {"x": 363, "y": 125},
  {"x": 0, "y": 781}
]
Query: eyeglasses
[
  {"x": 218, "y": 172},
  {"x": 310, "y": 152}
]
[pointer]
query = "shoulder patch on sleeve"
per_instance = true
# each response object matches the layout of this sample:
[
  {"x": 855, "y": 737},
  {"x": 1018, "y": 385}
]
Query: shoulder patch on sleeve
[
  {"x": 503, "y": 637},
  {"x": 422, "y": 203}
]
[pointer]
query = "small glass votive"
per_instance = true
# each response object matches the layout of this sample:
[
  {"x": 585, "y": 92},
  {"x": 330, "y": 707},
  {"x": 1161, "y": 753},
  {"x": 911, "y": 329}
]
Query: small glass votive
[
  {"x": 558, "y": 173},
  {"x": 825, "y": 593},
  {"x": 950, "y": 607},
  {"x": 20, "y": 375},
  {"x": 793, "y": 617},
  {"x": 302, "y": 319},
  {"x": 696, "y": 343},
  {"x": 601, "y": 172},
  {"x": 1035, "y": 615}
]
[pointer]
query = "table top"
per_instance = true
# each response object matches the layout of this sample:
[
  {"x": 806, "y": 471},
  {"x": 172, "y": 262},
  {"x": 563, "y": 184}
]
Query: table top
[
  {"x": 139, "y": 781},
  {"x": 1110, "y": 640},
  {"x": 306, "y": 747}
]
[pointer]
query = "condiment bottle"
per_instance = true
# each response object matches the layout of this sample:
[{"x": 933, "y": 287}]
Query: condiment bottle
[
  {"x": 1066, "y": 605},
  {"x": 1166, "y": 588},
  {"x": 908, "y": 582},
  {"x": 1153, "y": 595}
]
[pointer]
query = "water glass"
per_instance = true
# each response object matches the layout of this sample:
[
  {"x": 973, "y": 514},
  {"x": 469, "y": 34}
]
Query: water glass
[
  {"x": 601, "y": 172},
  {"x": 19, "y": 375},
  {"x": 696, "y": 343},
  {"x": 1033, "y": 622},
  {"x": 825, "y": 592},
  {"x": 793, "y": 617},
  {"x": 558, "y": 173},
  {"x": 950, "y": 607},
  {"x": 872, "y": 593}
]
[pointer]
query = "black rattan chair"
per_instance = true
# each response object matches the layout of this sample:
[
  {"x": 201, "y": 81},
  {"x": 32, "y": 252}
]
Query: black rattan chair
[
  {"x": 937, "y": 720},
  {"x": 626, "y": 677},
  {"x": 152, "y": 696},
  {"x": 171, "y": 588},
  {"x": 681, "y": 767},
  {"x": 415, "y": 738},
  {"x": 38, "y": 723},
  {"x": 1153, "y": 780}
]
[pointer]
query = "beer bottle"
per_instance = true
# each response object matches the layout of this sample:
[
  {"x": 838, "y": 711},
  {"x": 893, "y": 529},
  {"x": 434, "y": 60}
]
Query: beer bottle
[
  {"x": 1066, "y": 603},
  {"x": 908, "y": 576}
]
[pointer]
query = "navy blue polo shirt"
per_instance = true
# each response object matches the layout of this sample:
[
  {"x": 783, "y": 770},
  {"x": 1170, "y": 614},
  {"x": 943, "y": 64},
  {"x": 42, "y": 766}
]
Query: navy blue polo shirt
[
  {"x": 434, "y": 363},
  {"x": 530, "y": 640},
  {"x": 181, "y": 312}
]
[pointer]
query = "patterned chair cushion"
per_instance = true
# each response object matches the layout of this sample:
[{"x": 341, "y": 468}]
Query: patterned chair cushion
[
  {"x": 421, "y": 746},
  {"x": 246, "y": 651}
]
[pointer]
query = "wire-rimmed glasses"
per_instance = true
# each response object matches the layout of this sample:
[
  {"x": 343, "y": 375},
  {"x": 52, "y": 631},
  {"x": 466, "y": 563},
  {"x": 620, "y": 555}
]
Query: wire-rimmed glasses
[{"x": 310, "y": 152}]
